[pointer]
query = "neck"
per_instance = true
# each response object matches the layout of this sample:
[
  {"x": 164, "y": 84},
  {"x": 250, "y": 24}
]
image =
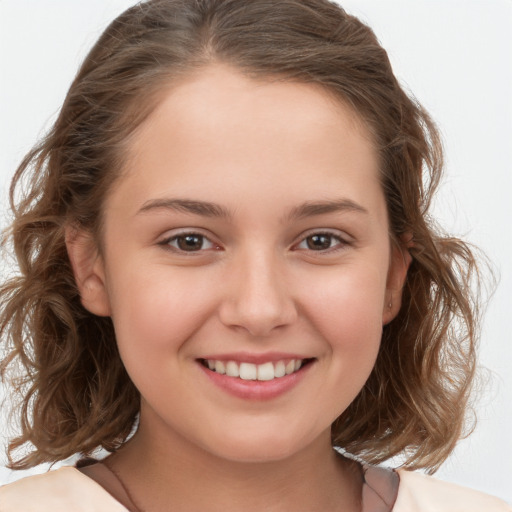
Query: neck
[{"x": 164, "y": 471}]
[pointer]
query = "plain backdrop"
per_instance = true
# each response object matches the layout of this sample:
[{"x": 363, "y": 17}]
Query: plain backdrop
[{"x": 455, "y": 55}]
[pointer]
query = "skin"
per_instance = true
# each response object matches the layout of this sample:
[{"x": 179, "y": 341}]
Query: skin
[{"x": 259, "y": 150}]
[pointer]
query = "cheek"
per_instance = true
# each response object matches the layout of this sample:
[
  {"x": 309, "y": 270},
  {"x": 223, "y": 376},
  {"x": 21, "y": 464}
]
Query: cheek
[
  {"x": 348, "y": 301},
  {"x": 346, "y": 310},
  {"x": 157, "y": 312}
]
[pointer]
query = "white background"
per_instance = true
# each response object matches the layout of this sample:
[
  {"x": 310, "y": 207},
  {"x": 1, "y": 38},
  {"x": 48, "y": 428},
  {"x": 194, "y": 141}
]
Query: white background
[{"x": 455, "y": 55}]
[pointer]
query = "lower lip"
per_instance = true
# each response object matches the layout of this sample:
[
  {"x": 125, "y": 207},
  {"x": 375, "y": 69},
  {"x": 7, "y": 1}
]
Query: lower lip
[{"x": 256, "y": 389}]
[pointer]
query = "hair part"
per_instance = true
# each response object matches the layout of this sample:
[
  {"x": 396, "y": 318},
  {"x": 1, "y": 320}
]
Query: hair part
[{"x": 75, "y": 393}]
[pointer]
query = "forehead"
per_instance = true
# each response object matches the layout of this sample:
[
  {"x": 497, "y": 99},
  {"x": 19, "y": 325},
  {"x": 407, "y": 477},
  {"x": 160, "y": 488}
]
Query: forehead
[
  {"x": 220, "y": 96},
  {"x": 221, "y": 129}
]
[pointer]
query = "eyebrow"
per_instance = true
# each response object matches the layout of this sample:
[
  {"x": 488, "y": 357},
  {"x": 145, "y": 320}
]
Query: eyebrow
[
  {"x": 207, "y": 209},
  {"x": 203, "y": 208},
  {"x": 310, "y": 208}
]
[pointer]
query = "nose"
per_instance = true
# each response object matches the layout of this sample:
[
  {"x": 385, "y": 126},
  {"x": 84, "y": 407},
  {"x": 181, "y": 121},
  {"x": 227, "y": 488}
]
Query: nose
[{"x": 256, "y": 295}]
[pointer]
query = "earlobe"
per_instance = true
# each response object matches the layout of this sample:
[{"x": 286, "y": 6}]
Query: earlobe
[
  {"x": 88, "y": 270},
  {"x": 399, "y": 265}
]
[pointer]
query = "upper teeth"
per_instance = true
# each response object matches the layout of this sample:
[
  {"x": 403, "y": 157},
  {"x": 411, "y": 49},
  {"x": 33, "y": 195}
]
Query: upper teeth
[{"x": 249, "y": 371}]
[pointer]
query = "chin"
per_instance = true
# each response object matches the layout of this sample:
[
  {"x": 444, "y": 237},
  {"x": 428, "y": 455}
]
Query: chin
[{"x": 248, "y": 448}]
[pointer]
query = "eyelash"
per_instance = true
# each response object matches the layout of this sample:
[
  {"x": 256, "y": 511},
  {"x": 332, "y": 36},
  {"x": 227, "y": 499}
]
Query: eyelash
[
  {"x": 341, "y": 242},
  {"x": 175, "y": 238},
  {"x": 167, "y": 242}
]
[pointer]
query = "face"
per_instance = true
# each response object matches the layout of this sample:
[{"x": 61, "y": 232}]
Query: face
[{"x": 247, "y": 264}]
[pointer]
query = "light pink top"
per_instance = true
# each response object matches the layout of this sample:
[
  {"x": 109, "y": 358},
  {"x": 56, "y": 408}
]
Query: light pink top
[{"x": 67, "y": 489}]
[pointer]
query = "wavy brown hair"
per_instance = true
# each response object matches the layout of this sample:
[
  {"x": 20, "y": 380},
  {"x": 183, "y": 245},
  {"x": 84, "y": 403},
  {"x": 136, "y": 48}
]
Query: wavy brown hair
[{"x": 75, "y": 393}]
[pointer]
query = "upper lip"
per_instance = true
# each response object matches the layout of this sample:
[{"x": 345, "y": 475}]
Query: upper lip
[{"x": 246, "y": 357}]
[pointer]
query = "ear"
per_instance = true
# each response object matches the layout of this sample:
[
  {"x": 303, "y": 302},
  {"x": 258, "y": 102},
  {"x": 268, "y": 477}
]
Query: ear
[
  {"x": 398, "y": 266},
  {"x": 88, "y": 269}
]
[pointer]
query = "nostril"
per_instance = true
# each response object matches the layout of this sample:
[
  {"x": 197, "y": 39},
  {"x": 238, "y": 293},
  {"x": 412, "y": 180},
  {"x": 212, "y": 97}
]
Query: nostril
[{"x": 257, "y": 303}]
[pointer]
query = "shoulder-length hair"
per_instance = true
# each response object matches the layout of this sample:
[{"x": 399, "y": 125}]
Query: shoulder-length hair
[{"x": 76, "y": 395}]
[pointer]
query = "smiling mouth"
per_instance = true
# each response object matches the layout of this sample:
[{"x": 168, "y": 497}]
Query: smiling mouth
[{"x": 249, "y": 371}]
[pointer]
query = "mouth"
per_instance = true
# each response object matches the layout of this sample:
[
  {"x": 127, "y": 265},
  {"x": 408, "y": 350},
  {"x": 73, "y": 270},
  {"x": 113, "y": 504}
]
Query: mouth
[{"x": 271, "y": 370}]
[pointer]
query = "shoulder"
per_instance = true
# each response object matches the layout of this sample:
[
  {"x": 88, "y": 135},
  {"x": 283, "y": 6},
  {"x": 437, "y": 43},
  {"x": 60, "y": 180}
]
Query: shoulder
[
  {"x": 61, "y": 490},
  {"x": 421, "y": 493}
]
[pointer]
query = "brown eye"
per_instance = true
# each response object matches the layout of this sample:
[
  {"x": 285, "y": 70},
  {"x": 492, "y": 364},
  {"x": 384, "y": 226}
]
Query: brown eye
[
  {"x": 319, "y": 242},
  {"x": 322, "y": 242},
  {"x": 188, "y": 242}
]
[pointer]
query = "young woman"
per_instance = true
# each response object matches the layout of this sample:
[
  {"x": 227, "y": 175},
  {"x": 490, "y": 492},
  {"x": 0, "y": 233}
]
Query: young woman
[{"x": 224, "y": 247}]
